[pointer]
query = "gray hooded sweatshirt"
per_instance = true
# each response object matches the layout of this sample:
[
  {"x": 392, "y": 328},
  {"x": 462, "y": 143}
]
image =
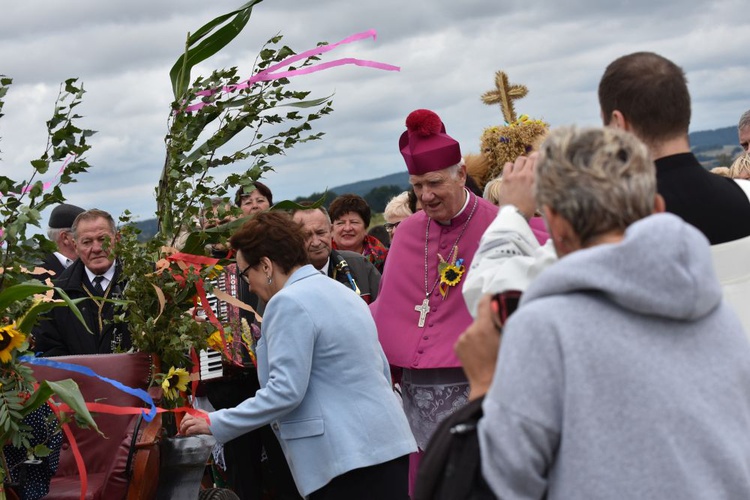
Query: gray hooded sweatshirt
[{"x": 623, "y": 374}]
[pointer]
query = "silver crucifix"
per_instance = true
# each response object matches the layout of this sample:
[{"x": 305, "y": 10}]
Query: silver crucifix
[{"x": 423, "y": 310}]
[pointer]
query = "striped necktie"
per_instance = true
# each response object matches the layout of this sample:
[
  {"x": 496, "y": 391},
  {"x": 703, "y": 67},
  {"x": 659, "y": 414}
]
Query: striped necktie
[{"x": 98, "y": 290}]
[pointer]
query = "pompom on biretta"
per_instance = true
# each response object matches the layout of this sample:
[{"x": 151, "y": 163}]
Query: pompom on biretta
[
  {"x": 425, "y": 145},
  {"x": 424, "y": 122}
]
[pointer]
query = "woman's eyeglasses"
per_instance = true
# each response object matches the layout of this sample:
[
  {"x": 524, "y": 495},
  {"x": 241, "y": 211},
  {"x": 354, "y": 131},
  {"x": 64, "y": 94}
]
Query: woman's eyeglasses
[
  {"x": 244, "y": 276},
  {"x": 390, "y": 226}
]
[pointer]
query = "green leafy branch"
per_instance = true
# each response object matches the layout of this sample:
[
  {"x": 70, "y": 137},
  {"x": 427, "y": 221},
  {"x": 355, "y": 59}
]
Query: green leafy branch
[
  {"x": 23, "y": 201},
  {"x": 197, "y": 139}
]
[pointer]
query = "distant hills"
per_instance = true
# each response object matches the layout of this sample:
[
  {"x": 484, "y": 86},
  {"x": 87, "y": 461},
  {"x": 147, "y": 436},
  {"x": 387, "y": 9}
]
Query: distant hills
[
  {"x": 720, "y": 136},
  {"x": 400, "y": 179},
  {"x": 713, "y": 148},
  {"x": 706, "y": 144}
]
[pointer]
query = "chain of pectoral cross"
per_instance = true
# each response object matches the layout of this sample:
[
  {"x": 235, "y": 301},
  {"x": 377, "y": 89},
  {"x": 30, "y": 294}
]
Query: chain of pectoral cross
[{"x": 424, "y": 307}]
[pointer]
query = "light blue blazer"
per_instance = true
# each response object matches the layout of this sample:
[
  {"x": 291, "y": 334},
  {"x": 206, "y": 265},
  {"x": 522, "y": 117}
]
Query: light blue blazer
[{"x": 325, "y": 384}]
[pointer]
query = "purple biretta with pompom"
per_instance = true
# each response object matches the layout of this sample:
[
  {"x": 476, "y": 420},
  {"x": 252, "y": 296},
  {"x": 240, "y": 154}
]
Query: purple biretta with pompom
[{"x": 425, "y": 146}]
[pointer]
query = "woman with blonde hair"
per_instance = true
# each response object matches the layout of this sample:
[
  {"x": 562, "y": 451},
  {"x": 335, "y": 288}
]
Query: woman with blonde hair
[
  {"x": 395, "y": 211},
  {"x": 740, "y": 169}
]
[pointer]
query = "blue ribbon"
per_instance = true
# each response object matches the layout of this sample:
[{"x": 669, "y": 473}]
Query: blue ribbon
[{"x": 84, "y": 370}]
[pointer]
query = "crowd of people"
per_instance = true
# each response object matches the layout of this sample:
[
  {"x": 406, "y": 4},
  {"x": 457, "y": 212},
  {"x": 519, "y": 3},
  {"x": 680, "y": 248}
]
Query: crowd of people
[{"x": 623, "y": 373}]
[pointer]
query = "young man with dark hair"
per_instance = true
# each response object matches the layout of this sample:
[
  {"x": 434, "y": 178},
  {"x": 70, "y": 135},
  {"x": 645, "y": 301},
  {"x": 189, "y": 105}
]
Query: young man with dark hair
[{"x": 647, "y": 95}]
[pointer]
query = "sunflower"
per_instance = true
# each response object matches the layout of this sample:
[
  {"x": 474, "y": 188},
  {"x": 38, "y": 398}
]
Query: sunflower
[
  {"x": 215, "y": 343},
  {"x": 174, "y": 382},
  {"x": 215, "y": 272},
  {"x": 10, "y": 339},
  {"x": 451, "y": 274}
]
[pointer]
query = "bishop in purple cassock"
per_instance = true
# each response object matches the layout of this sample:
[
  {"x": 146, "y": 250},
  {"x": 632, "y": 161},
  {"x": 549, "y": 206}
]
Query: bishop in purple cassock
[{"x": 420, "y": 311}]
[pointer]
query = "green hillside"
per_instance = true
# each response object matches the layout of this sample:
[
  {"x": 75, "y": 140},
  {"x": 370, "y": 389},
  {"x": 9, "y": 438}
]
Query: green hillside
[
  {"x": 719, "y": 137},
  {"x": 716, "y": 148},
  {"x": 400, "y": 179}
]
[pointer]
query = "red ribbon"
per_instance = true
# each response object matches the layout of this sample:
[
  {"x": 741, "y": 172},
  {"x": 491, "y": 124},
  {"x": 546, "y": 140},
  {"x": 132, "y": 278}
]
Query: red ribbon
[
  {"x": 193, "y": 259},
  {"x": 200, "y": 260},
  {"x": 74, "y": 449},
  {"x": 110, "y": 410},
  {"x": 132, "y": 410}
]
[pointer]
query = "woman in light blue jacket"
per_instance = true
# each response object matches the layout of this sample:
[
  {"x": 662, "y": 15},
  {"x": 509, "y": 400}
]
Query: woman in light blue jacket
[{"x": 325, "y": 382}]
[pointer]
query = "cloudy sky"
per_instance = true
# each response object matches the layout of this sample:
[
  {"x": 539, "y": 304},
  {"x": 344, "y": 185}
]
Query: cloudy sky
[{"x": 448, "y": 52}]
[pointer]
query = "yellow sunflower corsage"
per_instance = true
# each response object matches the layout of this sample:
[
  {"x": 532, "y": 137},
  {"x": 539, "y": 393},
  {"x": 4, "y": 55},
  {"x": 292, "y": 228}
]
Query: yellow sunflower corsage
[{"x": 450, "y": 271}]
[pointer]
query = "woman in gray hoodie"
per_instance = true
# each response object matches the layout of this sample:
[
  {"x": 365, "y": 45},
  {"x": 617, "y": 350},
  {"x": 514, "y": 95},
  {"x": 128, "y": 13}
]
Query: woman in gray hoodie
[{"x": 623, "y": 374}]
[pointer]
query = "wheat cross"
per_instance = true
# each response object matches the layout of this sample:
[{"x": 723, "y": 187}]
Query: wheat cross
[{"x": 504, "y": 95}]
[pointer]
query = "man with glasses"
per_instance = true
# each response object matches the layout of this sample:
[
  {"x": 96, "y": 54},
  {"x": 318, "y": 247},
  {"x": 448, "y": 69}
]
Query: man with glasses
[{"x": 95, "y": 276}]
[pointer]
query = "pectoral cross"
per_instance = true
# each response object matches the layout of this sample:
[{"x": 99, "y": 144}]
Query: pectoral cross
[{"x": 423, "y": 310}]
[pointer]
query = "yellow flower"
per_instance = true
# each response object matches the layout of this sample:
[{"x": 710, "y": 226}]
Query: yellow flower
[
  {"x": 175, "y": 381},
  {"x": 10, "y": 339},
  {"x": 214, "y": 341},
  {"x": 215, "y": 272},
  {"x": 451, "y": 275}
]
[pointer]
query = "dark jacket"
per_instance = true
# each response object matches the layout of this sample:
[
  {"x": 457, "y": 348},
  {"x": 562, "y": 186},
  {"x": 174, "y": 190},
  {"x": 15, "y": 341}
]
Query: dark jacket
[
  {"x": 365, "y": 275},
  {"x": 715, "y": 205},
  {"x": 53, "y": 266},
  {"x": 50, "y": 262},
  {"x": 63, "y": 334}
]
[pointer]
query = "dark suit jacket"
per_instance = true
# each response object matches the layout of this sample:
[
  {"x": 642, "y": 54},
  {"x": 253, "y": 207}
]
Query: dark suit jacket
[
  {"x": 364, "y": 273},
  {"x": 63, "y": 334},
  {"x": 53, "y": 265},
  {"x": 715, "y": 205}
]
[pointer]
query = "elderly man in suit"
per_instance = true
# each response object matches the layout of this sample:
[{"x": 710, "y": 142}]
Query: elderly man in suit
[
  {"x": 349, "y": 268},
  {"x": 95, "y": 276}
]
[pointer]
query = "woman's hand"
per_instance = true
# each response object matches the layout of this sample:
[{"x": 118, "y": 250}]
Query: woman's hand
[
  {"x": 194, "y": 425},
  {"x": 477, "y": 349}
]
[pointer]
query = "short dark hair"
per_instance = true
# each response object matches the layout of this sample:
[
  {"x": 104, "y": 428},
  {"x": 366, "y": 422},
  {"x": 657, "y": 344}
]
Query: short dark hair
[
  {"x": 346, "y": 203},
  {"x": 472, "y": 186},
  {"x": 381, "y": 233},
  {"x": 246, "y": 190},
  {"x": 274, "y": 235},
  {"x": 652, "y": 94}
]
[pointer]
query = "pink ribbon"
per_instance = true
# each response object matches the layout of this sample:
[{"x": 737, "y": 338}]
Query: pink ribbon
[
  {"x": 47, "y": 185},
  {"x": 268, "y": 73}
]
